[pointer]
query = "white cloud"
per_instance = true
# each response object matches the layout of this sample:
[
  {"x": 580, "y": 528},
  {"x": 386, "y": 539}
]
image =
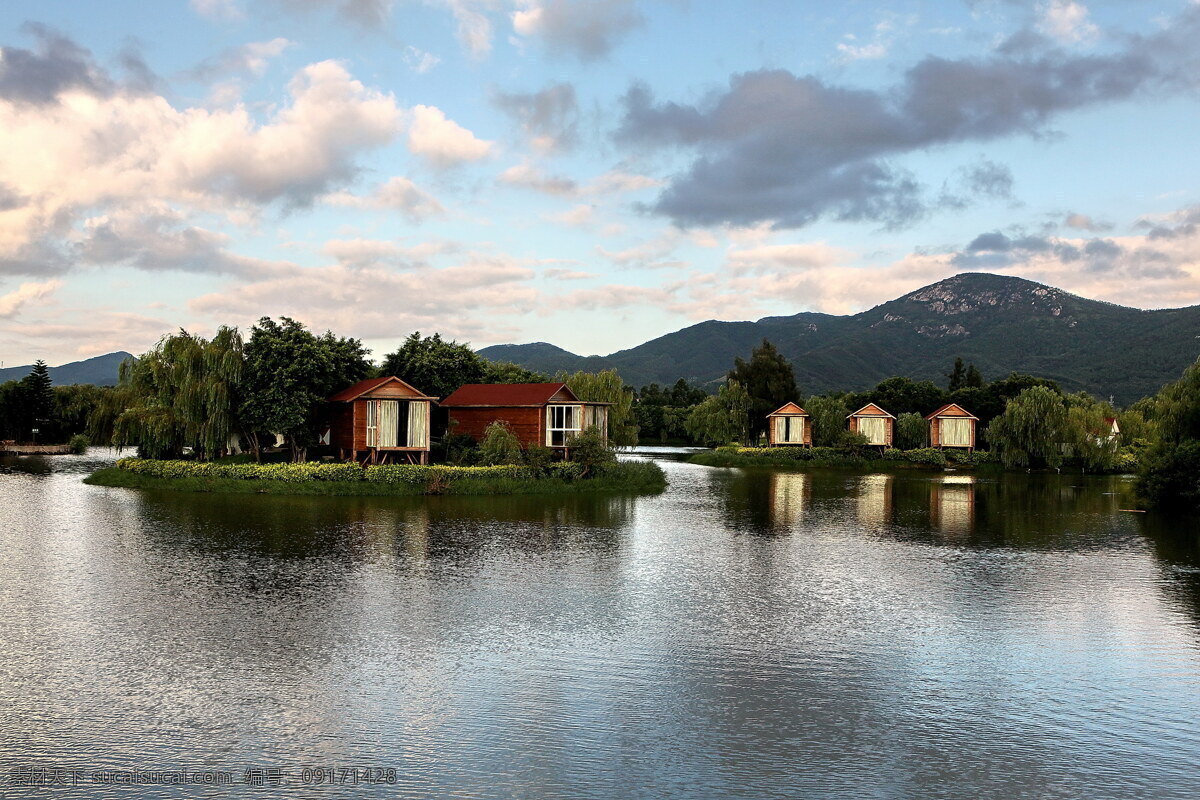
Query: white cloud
[
  {"x": 474, "y": 28},
  {"x": 1066, "y": 20},
  {"x": 443, "y": 142},
  {"x": 586, "y": 29},
  {"x": 576, "y": 217},
  {"x": 419, "y": 61},
  {"x": 217, "y": 9},
  {"x": 26, "y": 293},
  {"x": 128, "y": 150},
  {"x": 531, "y": 177},
  {"x": 398, "y": 194}
]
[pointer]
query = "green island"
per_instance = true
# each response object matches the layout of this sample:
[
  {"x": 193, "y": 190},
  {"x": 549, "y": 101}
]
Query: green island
[{"x": 641, "y": 477}]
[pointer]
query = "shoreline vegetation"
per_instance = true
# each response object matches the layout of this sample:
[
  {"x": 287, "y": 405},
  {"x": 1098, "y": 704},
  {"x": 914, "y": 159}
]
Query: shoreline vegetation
[
  {"x": 821, "y": 457},
  {"x": 641, "y": 477}
]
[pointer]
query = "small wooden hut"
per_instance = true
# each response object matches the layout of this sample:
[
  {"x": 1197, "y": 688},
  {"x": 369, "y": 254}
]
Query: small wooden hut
[
  {"x": 547, "y": 414},
  {"x": 380, "y": 421},
  {"x": 876, "y": 424},
  {"x": 788, "y": 425},
  {"x": 952, "y": 426}
]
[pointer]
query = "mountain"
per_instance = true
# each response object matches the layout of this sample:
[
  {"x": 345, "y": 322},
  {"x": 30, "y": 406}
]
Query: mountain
[
  {"x": 1001, "y": 324},
  {"x": 101, "y": 370}
]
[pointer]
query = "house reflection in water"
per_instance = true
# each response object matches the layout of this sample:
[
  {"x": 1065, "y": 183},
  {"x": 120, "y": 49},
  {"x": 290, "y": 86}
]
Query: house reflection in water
[
  {"x": 952, "y": 504},
  {"x": 790, "y": 495},
  {"x": 876, "y": 500}
]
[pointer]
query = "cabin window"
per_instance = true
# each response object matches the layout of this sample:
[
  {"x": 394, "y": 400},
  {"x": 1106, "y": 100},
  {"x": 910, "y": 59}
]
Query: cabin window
[
  {"x": 562, "y": 424},
  {"x": 418, "y": 424},
  {"x": 956, "y": 433},
  {"x": 596, "y": 417},
  {"x": 874, "y": 428},
  {"x": 789, "y": 430},
  {"x": 372, "y": 424},
  {"x": 397, "y": 423}
]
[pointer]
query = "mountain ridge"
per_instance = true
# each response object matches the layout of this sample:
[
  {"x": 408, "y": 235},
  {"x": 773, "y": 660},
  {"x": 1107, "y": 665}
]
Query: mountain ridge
[
  {"x": 1001, "y": 323},
  {"x": 98, "y": 370}
]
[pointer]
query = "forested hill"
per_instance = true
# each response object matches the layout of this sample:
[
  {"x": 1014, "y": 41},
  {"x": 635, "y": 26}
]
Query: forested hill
[
  {"x": 1002, "y": 324},
  {"x": 101, "y": 371}
]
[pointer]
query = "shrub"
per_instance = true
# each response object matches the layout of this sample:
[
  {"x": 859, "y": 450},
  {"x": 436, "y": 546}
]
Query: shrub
[
  {"x": 566, "y": 470},
  {"x": 591, "y": 450},
  {"x": 538, "y": 457},
  {"x": 499, "y": 445},
  {"x": 912, "y": 431},
  {"x": 927, "y": 456},
  {"x": 893, "y": 454},
  {"x": 1170, "y": 475},
  {"x": 78, "y": 444}
]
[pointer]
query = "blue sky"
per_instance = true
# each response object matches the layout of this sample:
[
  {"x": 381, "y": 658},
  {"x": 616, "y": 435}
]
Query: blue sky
[{"x": 592, "y": 173}]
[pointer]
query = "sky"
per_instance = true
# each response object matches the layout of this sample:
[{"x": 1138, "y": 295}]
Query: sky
[{"x": 592, "y": 173}]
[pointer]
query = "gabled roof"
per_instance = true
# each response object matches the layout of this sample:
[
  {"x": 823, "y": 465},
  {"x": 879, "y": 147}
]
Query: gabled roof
[
  {"x": 507, "y": 395},
  {"x": 357, "y": 390},
  {"x": 952, "y": 410},
  {"x": 789, "y": 409},
  {"x": 870, "y": 410}
]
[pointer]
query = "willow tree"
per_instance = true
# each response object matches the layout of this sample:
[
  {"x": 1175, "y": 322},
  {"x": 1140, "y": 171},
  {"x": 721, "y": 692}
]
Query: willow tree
[
  {"x": 606, "y": 386},
  {"x": 1032, "y": 429},
  {"x": 721, "y": 419},
  {"x": 183, "y": 393},
  {"x": 828, "y": 418}
]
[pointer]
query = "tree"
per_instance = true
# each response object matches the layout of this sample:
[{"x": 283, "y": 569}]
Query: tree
[
  {"x": 183, "y": 393},
  {"x": 912, "y": 431},
  {"x": 721, "y": 419},
  {"x": 289, "y": 373},
  {"x": 661, "y": 413},
  {"x": 973, "y": 379},
  {"x": 591, "y": 451},
  {"x": 607, "y": 387},
  {"x": 1089, "y": 435},
  {"x": 1032, "y": 429},
  {"x": 827, "y": 415},
  {"x": 499, "y": 445},
  {"x": 435, "y": 366},
  {"x": 770, "y": 381},
  {"x": 16, "y": 414},
  {"x": 508, "y": 372},
  {"x": 1169, "y": 475},
  {"x": 957, "y": 376},
  {"x": 901, "y": 395},
  {"x": 39, "y": 397}
]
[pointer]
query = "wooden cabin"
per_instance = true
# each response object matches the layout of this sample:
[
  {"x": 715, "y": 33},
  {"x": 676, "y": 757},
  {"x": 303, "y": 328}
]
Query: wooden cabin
[
  {"x": 380, "y": 421},
  {"x": 1114, "y": 430},
  {"x": 788, "y": 425},
  {"x": 952, "y": 426},
  {"x": 547, "y": 414},
  {"x": 876, "y": 424}
]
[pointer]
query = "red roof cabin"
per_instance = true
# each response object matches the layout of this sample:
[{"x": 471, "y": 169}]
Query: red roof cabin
[
  {"x": 380, "y": 421},
  {"x": 547, "y": 414},
  {"x": 876, "y": 424},
  {"x": 788, "y": 425},
  {"x": 952, "y": 426}
]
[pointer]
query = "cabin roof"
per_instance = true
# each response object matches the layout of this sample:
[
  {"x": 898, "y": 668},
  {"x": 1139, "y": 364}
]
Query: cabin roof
[
  {"x": 508, "y": 395},
  {"x": 788, "y": 409},
  {"x": 952, "y": 410},
  {"x": 870, "y": 410},
  {"x": 357, "y": 390}
]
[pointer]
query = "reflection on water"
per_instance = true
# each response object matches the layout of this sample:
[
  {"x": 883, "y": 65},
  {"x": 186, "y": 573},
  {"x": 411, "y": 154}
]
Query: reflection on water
[{"x": 745, "y": 634}]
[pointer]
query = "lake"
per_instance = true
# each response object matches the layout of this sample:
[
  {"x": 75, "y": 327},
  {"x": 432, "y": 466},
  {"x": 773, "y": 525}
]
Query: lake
[{"x": 749, "y": 634}]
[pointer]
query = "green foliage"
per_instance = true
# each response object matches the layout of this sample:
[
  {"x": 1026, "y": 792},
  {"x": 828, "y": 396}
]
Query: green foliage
[
  {"x": 662, "y": 413},
  {"x": 769, "y": 380},
  {"x": 827, "y": 415},
  {"x": 912, "y": 431},
  {"x": 625, "y": 476},
  {"x": 508, "y": 372},
  {"x": 590, "y": 450},
  {"x": 1089, "y": 435},
  {"x": 289, "y": 373},
  {"x": 1031, "y": 430},
  {"x": 183, "y": 393},
  {"x": 436, "y": 366},
  {"x": 567, "y": 470},
  {"x": 1169, "y": 477},
  {"x": 288, "y": 473},
  {"x": 537, "y": 457},
  {"x": 78, "y": 444},
  {"x": 607, "y": 387},
  {"x": 957, "y": 376},
  {"x": 722, "y": 418},
  {"x": 459, "y": 449},
  {"x": 974, "y": 378},
  {"x": 900, "y": 396},
  {"x": 499, "y": 445},
  {"x": 926, "y": 456}
]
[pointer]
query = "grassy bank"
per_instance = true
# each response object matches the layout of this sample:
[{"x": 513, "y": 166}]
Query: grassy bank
[
  {"x": 799, "y": 457},
  {"x": 395, "y": 481}
]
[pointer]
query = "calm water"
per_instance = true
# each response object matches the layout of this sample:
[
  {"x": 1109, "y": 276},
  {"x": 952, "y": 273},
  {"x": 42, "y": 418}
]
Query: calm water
[{"x": 757, "y": 635}]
